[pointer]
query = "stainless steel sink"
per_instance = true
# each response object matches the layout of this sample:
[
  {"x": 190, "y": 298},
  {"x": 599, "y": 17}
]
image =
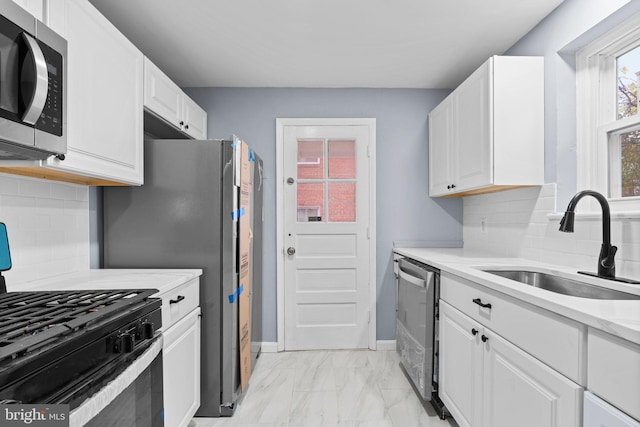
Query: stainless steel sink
[{"x": 563, "y": 285}]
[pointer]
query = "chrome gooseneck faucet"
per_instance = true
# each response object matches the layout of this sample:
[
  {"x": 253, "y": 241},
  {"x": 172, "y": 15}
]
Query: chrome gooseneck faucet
[{"x": 606, "y": 262}]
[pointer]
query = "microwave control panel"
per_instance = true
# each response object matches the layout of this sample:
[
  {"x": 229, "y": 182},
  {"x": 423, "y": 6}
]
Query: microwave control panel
[{"x": 50, "y": 120}]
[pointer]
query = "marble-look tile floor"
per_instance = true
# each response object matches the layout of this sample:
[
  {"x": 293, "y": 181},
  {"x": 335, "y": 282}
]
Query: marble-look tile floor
[{"x": 329, "y": 388}]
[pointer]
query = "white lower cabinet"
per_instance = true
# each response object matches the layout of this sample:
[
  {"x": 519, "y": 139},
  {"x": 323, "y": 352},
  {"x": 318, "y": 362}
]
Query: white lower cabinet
[
  {"x": 614, "y": 371},
  {"x": 181, "y": 370},
  {"x": 487, "y": 381},
  {"x": 598, "y": 413},
  {"x": 460, "y": 366}
]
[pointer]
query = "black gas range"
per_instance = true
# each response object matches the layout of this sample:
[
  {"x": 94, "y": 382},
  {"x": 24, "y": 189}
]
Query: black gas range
[{"x": 64, "y": 346}]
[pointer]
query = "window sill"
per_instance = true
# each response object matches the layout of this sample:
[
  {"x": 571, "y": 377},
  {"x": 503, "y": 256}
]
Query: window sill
[{"x": 592, "y": 216}]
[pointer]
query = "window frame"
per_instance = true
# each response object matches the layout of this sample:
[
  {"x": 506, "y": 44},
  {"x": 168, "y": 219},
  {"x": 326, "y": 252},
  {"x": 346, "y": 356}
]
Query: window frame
[
  {"x": 596, "y": 101},
  {"x": 609, "y": 135}
]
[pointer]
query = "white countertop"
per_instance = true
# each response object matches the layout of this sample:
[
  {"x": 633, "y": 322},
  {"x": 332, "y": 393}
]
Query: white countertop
[
  {"x": 617, "y": 317},
  {"x": 162, "y": 279}
]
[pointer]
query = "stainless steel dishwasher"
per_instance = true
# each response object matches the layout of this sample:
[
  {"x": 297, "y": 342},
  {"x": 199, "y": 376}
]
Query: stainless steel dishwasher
[{"x": 417, "y": 328}]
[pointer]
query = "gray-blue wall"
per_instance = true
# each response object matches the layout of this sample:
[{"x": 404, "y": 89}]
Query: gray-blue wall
[
  {"x": 574, "y": 24},
  {"x": 403, "y": 208}
]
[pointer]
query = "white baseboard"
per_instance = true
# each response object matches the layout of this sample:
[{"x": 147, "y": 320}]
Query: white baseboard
[
  {"x": 269, "y": 347},
  {"x": 381, "y": 345},
  {"x": 386, "y": 345}
]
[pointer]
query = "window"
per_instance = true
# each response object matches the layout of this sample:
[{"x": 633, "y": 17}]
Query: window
[
  {"x": 327, "y": 188},
  {"x": 608, "y": 144}
]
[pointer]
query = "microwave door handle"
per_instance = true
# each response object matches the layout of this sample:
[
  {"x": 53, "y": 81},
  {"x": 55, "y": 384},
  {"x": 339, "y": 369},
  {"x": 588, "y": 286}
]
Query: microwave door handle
[{"x": 39, "y": 98}]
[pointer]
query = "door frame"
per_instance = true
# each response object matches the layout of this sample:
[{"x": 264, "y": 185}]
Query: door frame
[{"x": 280, "y": 125}]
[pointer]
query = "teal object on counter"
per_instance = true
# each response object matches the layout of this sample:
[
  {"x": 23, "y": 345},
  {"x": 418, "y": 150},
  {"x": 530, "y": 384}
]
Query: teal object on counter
[{"x": 5, "y": 256}]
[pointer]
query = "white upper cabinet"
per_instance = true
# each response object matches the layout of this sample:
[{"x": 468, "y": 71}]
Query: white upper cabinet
[
  {"x": 473, "y": 160},
  {"x": 440, "y": 154},
  {"x": 195, "y": 119},
  {"x": 104, "y": 93},
  {"x": 161, "y": 95},
  {"x": 166, "y": 100},
  {"x": 488, "y": 134}
]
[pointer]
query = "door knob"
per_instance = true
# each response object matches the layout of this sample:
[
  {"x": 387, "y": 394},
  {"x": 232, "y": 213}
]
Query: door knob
[
  {"x": 290, "y": 181},
  {"x": 291, "y": 250}
]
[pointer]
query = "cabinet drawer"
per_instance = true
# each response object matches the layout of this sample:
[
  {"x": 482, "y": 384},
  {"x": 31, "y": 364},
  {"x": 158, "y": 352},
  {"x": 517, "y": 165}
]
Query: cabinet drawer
[
  {"x": 179, "y": 302},
  {"x": 554, "y": 340},
  {"x": 614, "y": 370}
]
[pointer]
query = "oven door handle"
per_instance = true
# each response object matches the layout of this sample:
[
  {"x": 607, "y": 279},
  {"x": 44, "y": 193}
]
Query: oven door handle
[
  {"x": 413, "y": 280},
  {"x": 41, "y": 89},
  {"x": 93, "y": 405}
]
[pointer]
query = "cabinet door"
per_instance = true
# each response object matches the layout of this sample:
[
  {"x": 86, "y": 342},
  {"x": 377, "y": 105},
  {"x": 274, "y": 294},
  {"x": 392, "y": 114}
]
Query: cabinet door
[
  {"x": 460, "y": 366},
  {"x": 195, "y": 119},
  {"x": 161, "y": 95},
  {"x": 472, "y": 118},
  {"x": 521, "y": 391},
  {"x": 181, "y": 370},
  {"x": 104, "y": 122},
  {"x": 440, "y": 148}
]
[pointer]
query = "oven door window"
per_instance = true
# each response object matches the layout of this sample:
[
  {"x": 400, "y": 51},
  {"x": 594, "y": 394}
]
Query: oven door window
[{"x": 139, "y": 405}]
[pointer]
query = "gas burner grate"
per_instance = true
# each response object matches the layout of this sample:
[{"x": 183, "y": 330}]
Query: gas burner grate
[{"x": 30, "y": 320}]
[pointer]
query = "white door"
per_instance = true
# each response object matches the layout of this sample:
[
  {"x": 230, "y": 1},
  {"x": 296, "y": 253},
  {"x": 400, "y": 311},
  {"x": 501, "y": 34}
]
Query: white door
[{"x": 326, "y": 195}]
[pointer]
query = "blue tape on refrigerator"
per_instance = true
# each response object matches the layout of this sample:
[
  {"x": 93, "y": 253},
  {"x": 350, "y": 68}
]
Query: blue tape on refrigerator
[{"x": 234, "y": 296}]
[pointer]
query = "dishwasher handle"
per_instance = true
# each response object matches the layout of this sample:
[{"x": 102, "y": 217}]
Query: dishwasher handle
[{"x": 416, "y": 281}]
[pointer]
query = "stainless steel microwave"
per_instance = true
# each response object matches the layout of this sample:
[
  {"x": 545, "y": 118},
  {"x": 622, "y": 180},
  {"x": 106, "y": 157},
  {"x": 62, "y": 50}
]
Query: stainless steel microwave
[{"x": 32, "y": 87}]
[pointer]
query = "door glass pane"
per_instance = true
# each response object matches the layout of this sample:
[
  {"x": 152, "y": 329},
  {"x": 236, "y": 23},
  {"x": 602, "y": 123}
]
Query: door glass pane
[
  {"x": 342, "y": 201},
  {"x": 310, "y": 159},
  {"x": 627, "y": 181},
  {"x": 310, "y": 202},
  {"x": 628, "y": 66},
  {"x": 342, "y": 159}
]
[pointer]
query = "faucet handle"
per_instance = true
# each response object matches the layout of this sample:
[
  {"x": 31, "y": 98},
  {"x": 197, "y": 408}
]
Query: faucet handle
[{"x": 608, "y": 261}]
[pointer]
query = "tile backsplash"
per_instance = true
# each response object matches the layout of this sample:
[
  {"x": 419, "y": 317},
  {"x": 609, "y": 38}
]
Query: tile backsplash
[
  {"x": 519, "y": 223},
  {"x": 48, "y": 227}
]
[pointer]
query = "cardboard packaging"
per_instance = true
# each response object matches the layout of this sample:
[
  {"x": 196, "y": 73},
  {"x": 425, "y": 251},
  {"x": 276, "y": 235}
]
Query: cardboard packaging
[{"x": 245, "y": 265}]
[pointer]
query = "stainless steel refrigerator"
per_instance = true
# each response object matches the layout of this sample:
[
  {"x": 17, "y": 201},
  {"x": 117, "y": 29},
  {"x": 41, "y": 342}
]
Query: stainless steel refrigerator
[{"x": 182, "y": 217}]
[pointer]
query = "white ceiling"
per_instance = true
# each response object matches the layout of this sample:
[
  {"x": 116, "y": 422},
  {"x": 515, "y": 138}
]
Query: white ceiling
[{"x": 323, "y": 43}]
